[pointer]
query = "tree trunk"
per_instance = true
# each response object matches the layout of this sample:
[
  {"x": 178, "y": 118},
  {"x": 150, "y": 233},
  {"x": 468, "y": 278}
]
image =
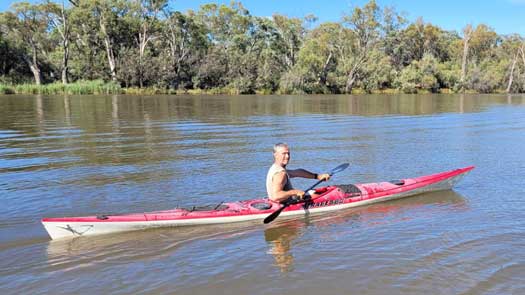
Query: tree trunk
[
  {"x": 36, "y": 73},
  {"x": 324, "y": 72},
  {"x": 352, "y": 76},
  {"x": 467, "y": 32},
  {"x": 142, "y": 48},
  {"x": 511, "y": 77},
  {"x": 65, "y": 61},
  {"x": 522, "y": 51},
  {"x": 65, "y": 44},
  {"x": 109, "y": 50},
  {"x": 351, "y": 80},
  {"x": 33, "y": 65}
]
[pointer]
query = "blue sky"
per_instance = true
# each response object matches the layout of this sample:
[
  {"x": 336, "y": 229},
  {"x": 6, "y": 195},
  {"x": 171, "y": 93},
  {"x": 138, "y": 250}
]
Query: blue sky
[{"x": 504, "y": 16}]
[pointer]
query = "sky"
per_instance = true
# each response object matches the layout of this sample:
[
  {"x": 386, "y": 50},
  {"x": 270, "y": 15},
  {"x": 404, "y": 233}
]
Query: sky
[{"x": 504, "y": 16}]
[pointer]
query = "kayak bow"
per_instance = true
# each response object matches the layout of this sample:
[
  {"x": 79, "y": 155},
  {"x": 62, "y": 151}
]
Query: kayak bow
[{"x": 330, "y": 198}]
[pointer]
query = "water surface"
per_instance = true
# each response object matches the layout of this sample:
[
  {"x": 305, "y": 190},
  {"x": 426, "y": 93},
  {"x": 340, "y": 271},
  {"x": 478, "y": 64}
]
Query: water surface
[{"x": 83, "y": 155}]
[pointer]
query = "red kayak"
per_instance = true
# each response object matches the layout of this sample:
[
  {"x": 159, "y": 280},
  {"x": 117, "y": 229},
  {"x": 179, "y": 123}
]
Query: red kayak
[{"x": 329, "y": 198}]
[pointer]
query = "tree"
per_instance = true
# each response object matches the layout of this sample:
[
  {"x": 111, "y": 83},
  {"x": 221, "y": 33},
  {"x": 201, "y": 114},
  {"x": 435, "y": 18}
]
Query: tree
[
  {"x": 510, "y": 51},
  {"x": 482, "y": 43},
  {"x": 27, "y": 25},
  {"x": 467, "y": 34},
  {"x": 291, "y": 33},
  {"x": 366, "y": 28},
  {"x": 145, "y": 15},
  {"x": 228, "y": 28},
  {"x": 420, "y": 75},
  {"x": 113, "y": 28},
  {"x": 378, "y": 72},
  {"x": 185, "y": 43},
  {"x": 317, "y": 60},
  {"x": 12, "y": 65},
  {"x": 421, "y": 38},
  {"x": 89, "y": 60},
  {"x": 59, "y": 19}
]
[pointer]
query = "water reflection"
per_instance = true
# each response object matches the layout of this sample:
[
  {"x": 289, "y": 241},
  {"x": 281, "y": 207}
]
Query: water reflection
[
  {"x": 102, "y": 130},
  {"x": 281, "y": 236},
  {"x": 138, "y": 245},
  {"x": 279, "y": 239},
  {"x": 87, "y": 111}
]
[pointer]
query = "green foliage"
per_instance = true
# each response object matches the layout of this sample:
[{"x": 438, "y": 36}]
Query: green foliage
[
  {"x": 448, "y": 75},
  {"x": 419, "y": 76},
  {"x": 146, "y": 47},
  {"x": 487, "y": 77},
  {"x": 378, "y": 72}
]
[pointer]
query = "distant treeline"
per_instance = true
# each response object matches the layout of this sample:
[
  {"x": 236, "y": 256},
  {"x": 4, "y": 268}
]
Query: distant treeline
[{"x": 221, "y": 48}]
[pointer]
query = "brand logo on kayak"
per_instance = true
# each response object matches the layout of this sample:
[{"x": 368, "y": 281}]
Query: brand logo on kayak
[
  {"x": 322, "y": 204},
  {"x": 79, "y": 230}
]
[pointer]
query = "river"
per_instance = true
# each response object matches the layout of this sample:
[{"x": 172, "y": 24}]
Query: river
[{"x": 85, "y": 155}]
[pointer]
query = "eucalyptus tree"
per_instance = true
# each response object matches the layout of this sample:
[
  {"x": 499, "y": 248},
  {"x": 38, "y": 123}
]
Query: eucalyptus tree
[
  {"x": 13, "y": 68},
  {"x": 291, "y": 32},
  {"x": 315, "y": 70},
  {"x": 467, "y": 34},
  {"x": 112, "y": 27},
  {"x": 228, "y": 29},
  {"x": 484, "y": 41},
  {"x": 513, "y": 50},
  {"x": 145, "y": 24},
  {"x": 481, "y": 68},
  {"x": 393, "y": 44},
  {"x": 26, "y": 25},
  {"x": 421, "y": 38},
  {"x": 419, "y": 75},
  {"x": 59, "y": 20},
  {"x": 365, "y": 25},
  {"x": 185, "y": 43},
  {"x": 267, "y": 54},
  {"x": 88, "y": 58}
]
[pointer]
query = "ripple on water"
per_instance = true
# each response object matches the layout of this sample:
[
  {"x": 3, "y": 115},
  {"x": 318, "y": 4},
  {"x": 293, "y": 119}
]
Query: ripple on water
[{"x": 72, "y": 156}]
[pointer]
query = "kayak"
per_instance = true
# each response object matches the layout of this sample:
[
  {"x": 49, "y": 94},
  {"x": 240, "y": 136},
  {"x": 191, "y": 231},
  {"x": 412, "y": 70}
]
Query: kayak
[{"x": 325, "y": 199}]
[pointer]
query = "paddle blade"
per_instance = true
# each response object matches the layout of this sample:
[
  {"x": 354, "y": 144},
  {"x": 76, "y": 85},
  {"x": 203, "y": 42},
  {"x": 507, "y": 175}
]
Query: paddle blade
[
  {"x": 274, "y": 215},
  {"x": 339, "y": 168}
]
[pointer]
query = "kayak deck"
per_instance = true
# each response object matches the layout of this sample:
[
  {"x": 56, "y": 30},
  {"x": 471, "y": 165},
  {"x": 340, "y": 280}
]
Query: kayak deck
[{"x": 328, "y": 198}]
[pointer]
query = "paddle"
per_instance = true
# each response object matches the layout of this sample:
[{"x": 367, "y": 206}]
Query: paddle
[{"x": 291, "y": 201}]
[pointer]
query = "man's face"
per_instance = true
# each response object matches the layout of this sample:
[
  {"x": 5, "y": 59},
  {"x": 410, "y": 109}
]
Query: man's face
[{"x": 282, "y": 156}]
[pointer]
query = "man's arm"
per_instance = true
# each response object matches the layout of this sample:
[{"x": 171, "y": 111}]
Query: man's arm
[
  {"x": 278, "y": 194},
  {"x": 307, "y": 174}
]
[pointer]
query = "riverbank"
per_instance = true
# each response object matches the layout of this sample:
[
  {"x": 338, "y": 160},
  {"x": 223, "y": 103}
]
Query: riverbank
[
  {"x": 79, "y": 87},
  {"x": 101, "y": 87}
]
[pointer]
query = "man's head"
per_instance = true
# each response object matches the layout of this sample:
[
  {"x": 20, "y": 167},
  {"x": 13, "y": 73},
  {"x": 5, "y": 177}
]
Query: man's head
[{"x": 281, "y": 154}]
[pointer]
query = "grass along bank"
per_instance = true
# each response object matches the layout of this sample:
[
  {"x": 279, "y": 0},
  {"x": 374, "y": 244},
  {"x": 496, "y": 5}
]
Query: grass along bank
[
  {"x": 101, "y": 87},
  {"x": 79, "y": 87}
]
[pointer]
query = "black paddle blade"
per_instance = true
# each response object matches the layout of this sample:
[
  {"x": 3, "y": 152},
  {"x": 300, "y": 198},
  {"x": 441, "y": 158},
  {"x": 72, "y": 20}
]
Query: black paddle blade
[
  {"x": 274, "y": 215},
  {"x": 339, "y": 168}
]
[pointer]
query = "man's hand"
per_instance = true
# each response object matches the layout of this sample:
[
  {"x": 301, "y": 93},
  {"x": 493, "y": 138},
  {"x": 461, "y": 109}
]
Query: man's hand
[
  {"x": 299, "y": 193},
  {"x": 323, "y": 177}
]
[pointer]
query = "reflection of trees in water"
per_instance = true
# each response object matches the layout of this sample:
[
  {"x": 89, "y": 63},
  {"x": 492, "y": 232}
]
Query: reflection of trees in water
[{"x": 281, "y": 235}]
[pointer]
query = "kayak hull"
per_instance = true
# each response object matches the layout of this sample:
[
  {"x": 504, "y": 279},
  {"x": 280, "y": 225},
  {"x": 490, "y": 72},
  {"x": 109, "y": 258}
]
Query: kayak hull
[{"x": 330, "y": 198}]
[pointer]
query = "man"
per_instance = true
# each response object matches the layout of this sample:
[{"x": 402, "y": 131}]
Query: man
[{"x": 278, "y": 184}]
